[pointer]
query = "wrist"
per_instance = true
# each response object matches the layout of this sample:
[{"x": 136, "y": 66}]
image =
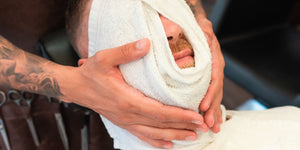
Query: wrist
[{"x": 65, "y": 82}]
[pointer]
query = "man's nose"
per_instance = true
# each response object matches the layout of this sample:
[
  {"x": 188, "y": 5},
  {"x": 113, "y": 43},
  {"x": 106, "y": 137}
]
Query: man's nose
[{"x": 172, "y": 30}]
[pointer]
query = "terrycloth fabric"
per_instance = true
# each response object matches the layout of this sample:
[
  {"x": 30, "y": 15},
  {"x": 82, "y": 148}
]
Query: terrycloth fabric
[
  {"x": 113, "y": 23},
  {"x": 271, "y": 129}
]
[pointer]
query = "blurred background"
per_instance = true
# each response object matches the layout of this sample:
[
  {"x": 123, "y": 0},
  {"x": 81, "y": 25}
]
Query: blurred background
[{"x": 261, "y": 45}]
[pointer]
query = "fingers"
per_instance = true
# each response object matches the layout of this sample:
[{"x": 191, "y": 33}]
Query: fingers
[
  {"x": 157, "y": 115},
  {"x": 147, "y": 111},
  {"x": 213, "y": 116},
  {"x": 211, "y": 104},
  {"x": 214, "y": 93},
  {"x": 206, "y": 27},
  {"x": 135, "y": 108},
  {"x": 216, "y": 127},
  {"x": 162, "y": 138},
  {"x": 156, "y": 143},
  {"x": 125, "y": 53},
  {"x": 165, "y": 116}
]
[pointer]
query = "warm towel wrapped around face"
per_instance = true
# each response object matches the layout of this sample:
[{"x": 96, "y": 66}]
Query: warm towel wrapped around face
[
  {"x": 113, "y": 23},
  {"x": 156, "y": 75}
]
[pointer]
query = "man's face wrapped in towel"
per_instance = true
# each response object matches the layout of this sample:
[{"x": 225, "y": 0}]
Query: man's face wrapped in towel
[
  {"x": 181, "y": 49},
  {"x": 159, "y": 74}
]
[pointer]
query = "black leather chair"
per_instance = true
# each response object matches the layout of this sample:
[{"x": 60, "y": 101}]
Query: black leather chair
[
  {"x": 261, "y": 48},
  {"x": 56, "y": 47}
]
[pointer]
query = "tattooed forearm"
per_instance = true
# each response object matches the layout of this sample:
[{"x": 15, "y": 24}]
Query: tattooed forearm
[
  {"x": 196, "y": 7},
  {"x": 24, "y": 71}
]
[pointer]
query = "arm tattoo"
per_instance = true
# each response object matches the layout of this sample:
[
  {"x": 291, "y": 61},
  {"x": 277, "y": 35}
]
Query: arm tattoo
[{"x": 24, "y": 71}]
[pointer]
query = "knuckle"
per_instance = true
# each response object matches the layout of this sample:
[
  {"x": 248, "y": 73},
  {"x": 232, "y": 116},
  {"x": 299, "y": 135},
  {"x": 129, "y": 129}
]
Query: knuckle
[
  {"x": 175, "y": 135},
  {"x": 160, "y": 136},
  {"x": 124, "y": 120},
  {"x": 160, "y": 118},
  {"x": 209, "y": 23},
  {"x": 99, "y": 58},
  {"x": 172, "y": 136},
  {"x": 209, "y": 118},
  {"x": 124, "y": 105},
  {"x": 152, "y": 135},
  {"x": 126, "y": 50}
]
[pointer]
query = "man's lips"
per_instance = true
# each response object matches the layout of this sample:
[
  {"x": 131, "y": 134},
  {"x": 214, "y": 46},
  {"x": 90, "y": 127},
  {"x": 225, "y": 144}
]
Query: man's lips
[
  {"x": 184, "y": 58},
  {"x": 183, "y": 53}
]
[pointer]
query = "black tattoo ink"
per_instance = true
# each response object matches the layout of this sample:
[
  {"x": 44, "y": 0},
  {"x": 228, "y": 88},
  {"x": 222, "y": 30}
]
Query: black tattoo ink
[
  {"x": 10, "y": 70},
  {"x": 4, "y": 53},
  {"x": 51, "y": 85},
  {"x": 33, "y": 79}
]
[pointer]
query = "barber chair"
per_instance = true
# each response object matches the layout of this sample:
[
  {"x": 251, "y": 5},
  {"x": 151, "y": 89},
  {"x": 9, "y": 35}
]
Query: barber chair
[
  {"x": 56, "y": 47},
  {"x": 261, "y": 47}
]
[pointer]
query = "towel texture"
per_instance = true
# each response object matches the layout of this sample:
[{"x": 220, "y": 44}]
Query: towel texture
[
  {"x": 113, "y": 23},
  {"x": 271, "y": 129}
]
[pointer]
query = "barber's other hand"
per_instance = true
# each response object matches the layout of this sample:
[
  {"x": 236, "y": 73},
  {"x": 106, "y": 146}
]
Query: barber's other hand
[
  {"x": 100, "y": 86},
  {"x": 212, "y": 100}
]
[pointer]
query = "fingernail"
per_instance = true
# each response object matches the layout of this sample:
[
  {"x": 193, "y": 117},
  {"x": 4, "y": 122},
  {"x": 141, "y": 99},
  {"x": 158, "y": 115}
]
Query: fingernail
[
  {"x": 197, "y": 122},
  {"x": 140, "y": 45},
  {"x": 190, "y": 138}
]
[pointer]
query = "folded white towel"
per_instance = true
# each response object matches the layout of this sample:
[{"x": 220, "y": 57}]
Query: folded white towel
[{"x": 113, "y": 23}]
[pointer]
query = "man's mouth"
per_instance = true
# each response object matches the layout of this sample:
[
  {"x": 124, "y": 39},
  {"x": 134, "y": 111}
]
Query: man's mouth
[
  {"x": 183, "y": 53},
  {"x": 184, "y": 58}
]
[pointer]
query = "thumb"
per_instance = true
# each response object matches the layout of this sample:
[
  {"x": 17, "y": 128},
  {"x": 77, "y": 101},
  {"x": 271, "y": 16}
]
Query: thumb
[{"x": 127, "y": 53}]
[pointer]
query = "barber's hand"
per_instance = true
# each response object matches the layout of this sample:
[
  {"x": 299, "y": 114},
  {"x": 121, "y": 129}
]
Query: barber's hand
[
  {"x": 212, "y": 100},
  {"x": 101, "y": 87}
]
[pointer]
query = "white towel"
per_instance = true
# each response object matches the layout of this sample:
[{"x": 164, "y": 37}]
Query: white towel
[
  {"x": 113, "y": 23},
  {"x": 271, "y": 129}
]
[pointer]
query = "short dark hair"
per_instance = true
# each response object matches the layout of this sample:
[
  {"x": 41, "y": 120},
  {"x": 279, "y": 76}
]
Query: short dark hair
[{"x": 74, "y": 13}]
